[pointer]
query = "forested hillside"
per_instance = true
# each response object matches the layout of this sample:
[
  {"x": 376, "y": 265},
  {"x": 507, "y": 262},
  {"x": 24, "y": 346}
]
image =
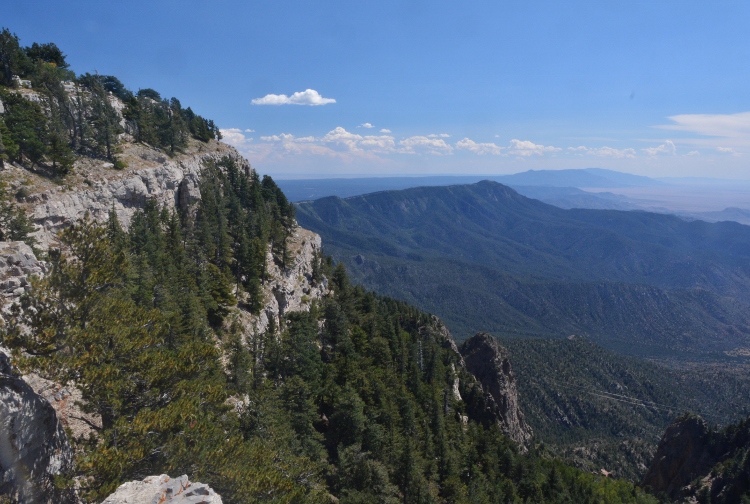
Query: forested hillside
[
  {"x": 356, "y": 398},
  {"x": 600, "y": 409},
  {"x": 350, "y": 399},
  {"x": 483, "y": 257}
]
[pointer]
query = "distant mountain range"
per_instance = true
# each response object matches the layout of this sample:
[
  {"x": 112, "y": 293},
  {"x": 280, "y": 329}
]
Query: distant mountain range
[
  {"x": 311, "y": 189},
  {"x": 594, "y": 188},
  {"x": 484, "y": 257},
  {"x": 587, "y": 177}
]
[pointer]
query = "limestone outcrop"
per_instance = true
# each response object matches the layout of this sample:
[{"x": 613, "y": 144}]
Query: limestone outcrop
[
  {"x": 17, "y": 264},
  {"x": 488, "y": 362},
  {"x": 163, "y": 489},
  {"x": 291, "y": 288},
  {"x": 33, "y": 445},
  {"x": 172, "y": 183}
]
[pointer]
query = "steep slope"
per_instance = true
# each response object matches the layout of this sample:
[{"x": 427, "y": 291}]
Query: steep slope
[
  {"x": 600, "y": 409},
  {"x": 485, "y": 258},
  {"x": 488, "y": 362},
  {"x": 697, "y": 463}
]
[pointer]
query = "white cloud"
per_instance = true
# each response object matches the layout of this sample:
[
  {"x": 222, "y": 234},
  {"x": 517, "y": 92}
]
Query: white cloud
[
  {"x": 418, "y": 143},
  {"x": 479, "y": 148},
  {"x": 716, "y": 125},
  {"x": 382, "y": 144},
  {"x": 384, "y": 130},
  {"x": 694, "y": 153},
  {"x": 667, "y": 147},
  {"x": 366, "y": 125},
  {"x": 283, "y": 137},
  {"x": 306, "y": 97},
  {"x": 249, "y": 131},
  {"x": 439, "y": 135},
  {"x": 234, "y": 137},
  {"x": 527, "y": 148},
  {"x": 357, "y": 143},
  {"x": 342, "y": 137},
  {"x": 728, "y": 150},
  {"x": 604, "y": 151}
]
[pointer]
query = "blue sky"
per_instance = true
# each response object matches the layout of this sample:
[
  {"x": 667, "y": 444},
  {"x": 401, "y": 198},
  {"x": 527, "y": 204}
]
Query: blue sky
[{"x": 415, "y": 87}]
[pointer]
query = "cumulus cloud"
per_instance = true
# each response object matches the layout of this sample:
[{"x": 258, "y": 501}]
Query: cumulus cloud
[
  {"x": 479, "y": 148},
  {"x": 249, "y": 131},
  {"x": 283, "y": 137},
  {"x": 415, "y": 144},
  {"x": 527, "y": 148},
  {"x": 358, "y": 143},
  {"x": 694, "y": 153},
  {"x": 667, "y": 147},
  {"x": 366, "y": 125},
  {"x": 439, "y": 135},
  {"x": 384, "y": 130},
  {"x": 306, "y": 97},
  {"x": 235, "y": 137},
  {"x": 604, "y": 151}
]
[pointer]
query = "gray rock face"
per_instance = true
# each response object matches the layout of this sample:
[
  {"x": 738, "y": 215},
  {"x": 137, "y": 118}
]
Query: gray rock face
[
  {"x": 288, "y": 289},
  {"x": 172, "y": 183},
  {"x": 33, "y": 446},
  {"x": 17, "y": 264},
  {"x": 685, "y": 452},
  {"x": 488, "y": 362},
  {"x": 163, "y": 489}
]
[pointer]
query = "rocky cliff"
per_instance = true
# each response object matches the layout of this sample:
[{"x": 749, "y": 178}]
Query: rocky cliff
[
  {"x": 290, "y": 288},
  {"x": 96, "y": 189},
  {"x": 694, "y": 462},
  {"x": 33, "y": 445},
  {"x": 170, "y": 182},
  {"x": 488, "y": 362}
]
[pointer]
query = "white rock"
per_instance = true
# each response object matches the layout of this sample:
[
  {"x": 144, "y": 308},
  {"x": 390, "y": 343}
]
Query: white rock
[
  {"x": 168, "y": 184},
  {"x": 163, "y": 489}
]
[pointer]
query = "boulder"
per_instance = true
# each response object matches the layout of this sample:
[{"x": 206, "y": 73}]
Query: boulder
[{"x": 163, "y": 489}]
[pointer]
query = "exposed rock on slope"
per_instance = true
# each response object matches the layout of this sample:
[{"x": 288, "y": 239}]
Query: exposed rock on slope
[
  {"x": 33, "y": 445},
  {"x": 488, "y": 362},
  {"x": 174, "y": 183},
  {"x": 694, "y": 461},
  {"x": 680, "y": 457},
  {"x": 17, "y": 263},
  {"x": 288, "y": 289},
  {"x": 163, "y": 489},
  {"x": 171, "y": 183}
]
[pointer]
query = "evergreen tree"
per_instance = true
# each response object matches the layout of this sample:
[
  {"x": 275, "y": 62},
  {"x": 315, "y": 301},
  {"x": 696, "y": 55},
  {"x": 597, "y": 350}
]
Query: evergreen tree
[
  {"x": 27, "y": 127},
  {"x": 47, "y": 53},
  {"x": 13, "y": 60}
]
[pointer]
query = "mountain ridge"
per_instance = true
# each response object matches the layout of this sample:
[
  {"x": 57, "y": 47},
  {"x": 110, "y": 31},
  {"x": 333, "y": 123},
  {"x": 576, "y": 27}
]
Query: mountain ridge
[{"x": 387, "y": 237}]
